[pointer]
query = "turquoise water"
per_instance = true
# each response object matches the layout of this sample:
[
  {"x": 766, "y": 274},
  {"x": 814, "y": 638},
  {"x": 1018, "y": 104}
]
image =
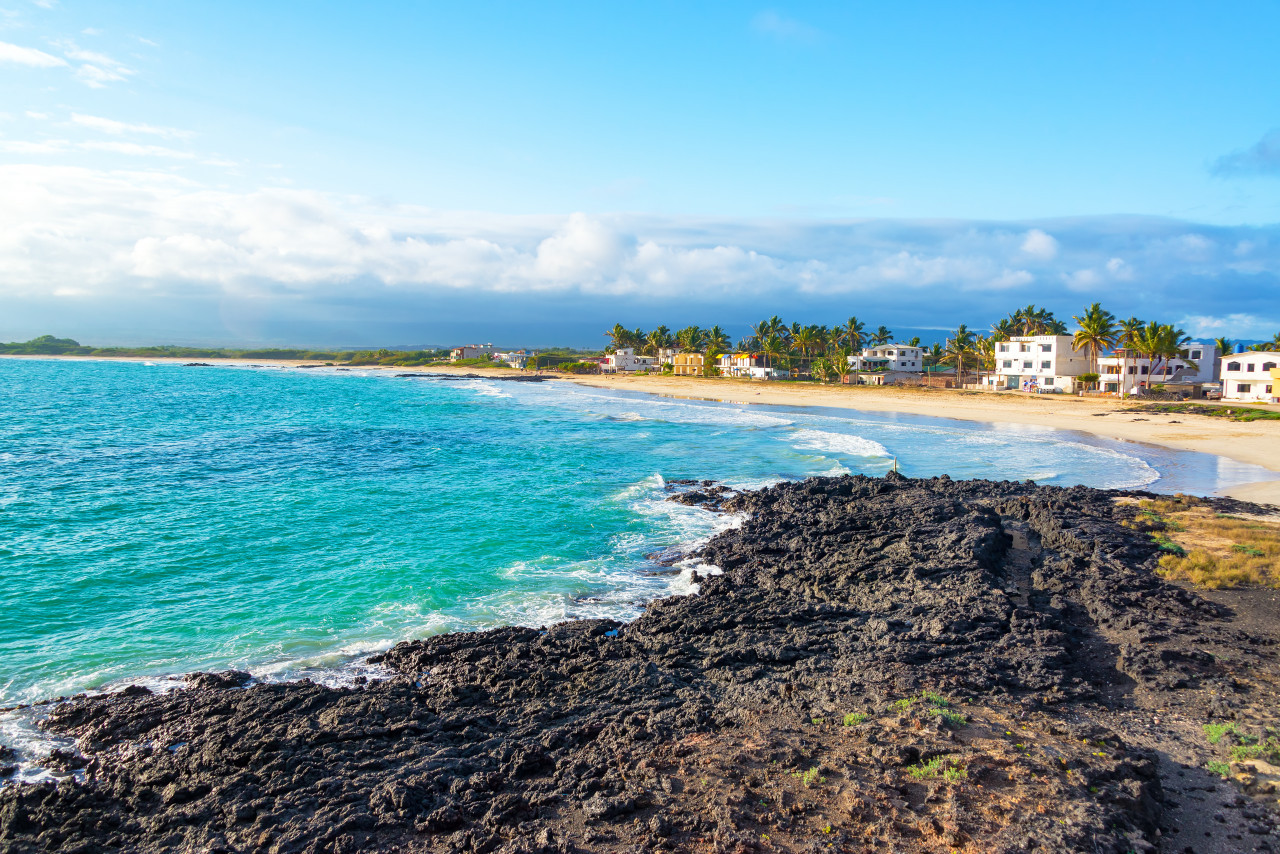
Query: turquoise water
[{"x": 156, "y": 519}]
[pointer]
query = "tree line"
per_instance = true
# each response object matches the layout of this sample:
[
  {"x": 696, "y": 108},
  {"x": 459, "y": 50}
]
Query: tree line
[{"x": 824, "y": 351}]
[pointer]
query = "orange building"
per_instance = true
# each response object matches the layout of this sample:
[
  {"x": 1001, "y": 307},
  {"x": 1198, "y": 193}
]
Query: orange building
[{"x": 687, "y": 365}]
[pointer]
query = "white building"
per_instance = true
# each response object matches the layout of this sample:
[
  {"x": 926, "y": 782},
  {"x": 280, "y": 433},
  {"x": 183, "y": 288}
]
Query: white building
[
  {"x": 1124, "y": 370},
  {"x": 472, "y": 351},
  {"x": 889, "y": 357},
  {"x": 625, "y": 359},
  {"x": 1252, "y": 376},
  {"x": 1044, "y": 363},
  {"x": 518, "y": 359}
]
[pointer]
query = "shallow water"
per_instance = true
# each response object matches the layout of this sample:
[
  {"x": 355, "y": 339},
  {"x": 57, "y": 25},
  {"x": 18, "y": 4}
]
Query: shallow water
[{"x": 156, "y": 519}]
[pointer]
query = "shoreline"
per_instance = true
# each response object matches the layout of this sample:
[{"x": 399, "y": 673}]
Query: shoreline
[{"x": 1256, "y": 442}]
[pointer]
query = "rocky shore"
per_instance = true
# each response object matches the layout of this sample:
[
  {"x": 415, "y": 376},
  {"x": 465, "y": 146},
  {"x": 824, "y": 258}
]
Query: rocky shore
[{"x": 884, "y": 665}]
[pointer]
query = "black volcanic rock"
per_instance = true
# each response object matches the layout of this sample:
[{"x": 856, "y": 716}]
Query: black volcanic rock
[{"x": 885, "y": 665}]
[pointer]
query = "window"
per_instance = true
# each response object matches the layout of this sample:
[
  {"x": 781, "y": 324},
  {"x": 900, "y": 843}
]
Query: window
[
  {"x": 1145, "y": 369},
  {"x": 1044, "y": 366},
  {"x": 1111, "y": 387},
  {"x": 1133, "y": 369},
  {"x": 1266, "y": 366},
  {"x": 1004, "y": 348},
  {"x": 1111, "y": 369},
  {"x": 1233, "y": 366},
  {"x": 1026, "y": 366},
  {"x": 1195, "y": 354},
  {"x": 1046, "y": 348},
  {"x": 1008, "y": 363},
  {"x": 1048, "y": 381},
  {"x": 1243, "y": 388},
  {"x": 1268, "y": 389}
]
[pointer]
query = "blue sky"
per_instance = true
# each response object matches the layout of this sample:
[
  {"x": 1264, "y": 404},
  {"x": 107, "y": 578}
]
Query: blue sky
[{"x": 384, "y": 173}]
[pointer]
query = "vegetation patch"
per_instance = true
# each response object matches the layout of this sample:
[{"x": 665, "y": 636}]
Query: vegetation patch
[
  {"x": 1210, "y": 549},
  {"x": 1231, "y": 413},
  {"x": 938, "y": 768}
]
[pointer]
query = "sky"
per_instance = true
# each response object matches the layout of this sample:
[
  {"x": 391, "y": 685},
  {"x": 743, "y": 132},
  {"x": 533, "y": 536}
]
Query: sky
[{"x": 337, "y": 174}]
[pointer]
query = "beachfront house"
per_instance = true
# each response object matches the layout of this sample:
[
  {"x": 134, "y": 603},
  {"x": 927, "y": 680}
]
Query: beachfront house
[
  {"x": 1039, "y": 363},
  {"x": 518, "y": 359},
  {"x": 1252, "y": 376},
  {"x": 687, "y": 364},
  {"x": 739, "y": 364},
  {"x": 897, "y": 358},
  {"x": 1125, "y": 371},
  {"x": 472, "y": 351},
  {"x": 624, "y": 359}
]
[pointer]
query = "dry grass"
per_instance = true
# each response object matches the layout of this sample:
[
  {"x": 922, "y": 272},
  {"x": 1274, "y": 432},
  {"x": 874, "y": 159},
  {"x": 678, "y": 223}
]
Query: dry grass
[{"x": 1210, "y": 549}]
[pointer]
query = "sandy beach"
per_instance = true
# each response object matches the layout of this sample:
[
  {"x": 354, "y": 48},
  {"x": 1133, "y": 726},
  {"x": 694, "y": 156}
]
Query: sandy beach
[{"x": 1256, "y": 442}]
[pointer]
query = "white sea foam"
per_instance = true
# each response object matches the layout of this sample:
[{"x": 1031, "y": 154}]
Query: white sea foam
[
  {"x": 488, "y": 390},
  {"x": 839, "y": 443}
]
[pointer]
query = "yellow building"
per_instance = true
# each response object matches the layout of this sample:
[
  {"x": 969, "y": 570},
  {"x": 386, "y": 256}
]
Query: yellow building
[{"x": 687, "y": 365}]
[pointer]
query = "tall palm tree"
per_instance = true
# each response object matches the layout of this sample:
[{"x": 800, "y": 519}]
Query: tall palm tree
[
  {"x": 804, "y": 338},
  {"x": 853, "y": 333},
  {"x": 959, "y": 346},
  {"x": 1097, "y": 332},
  {"x": 1160, "y": 342},
  {"x": 690, "y": 339},
  {"x": 716, "y": 338},
  {"x": 1127, "y": 338},
  {"x": 1055, "y": 327},
  {"x": 984, "y": 354},
  {"x": 658, "y": 339},
  {"x": 1226, "y": 346},
  {"x": 1004, "y": 329},
  {"x": 881, "y": 336},
  {"x": 934, "y": 355},
  {"x": 775, "y": 347},
  {"x": 914, "y": 342},
  {"x": 618, "y": 336}
]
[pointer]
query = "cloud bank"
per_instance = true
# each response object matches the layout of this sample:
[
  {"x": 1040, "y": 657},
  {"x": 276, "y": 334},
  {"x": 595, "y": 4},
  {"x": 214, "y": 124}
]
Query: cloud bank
[{"x": 74, "y": 236}]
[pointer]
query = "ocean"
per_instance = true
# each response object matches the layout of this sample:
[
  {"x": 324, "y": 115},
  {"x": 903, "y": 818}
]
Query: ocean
[{"x": 161, "y": 519}]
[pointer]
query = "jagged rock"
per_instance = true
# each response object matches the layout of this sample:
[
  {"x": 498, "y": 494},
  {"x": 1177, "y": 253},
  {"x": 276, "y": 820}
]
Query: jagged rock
[{"x": 712, "y": 721}]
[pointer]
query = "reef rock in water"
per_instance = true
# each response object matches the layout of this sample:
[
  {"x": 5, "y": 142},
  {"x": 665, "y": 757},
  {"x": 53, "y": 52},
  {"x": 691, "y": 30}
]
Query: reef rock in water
[{"x": 884, "y": 665}]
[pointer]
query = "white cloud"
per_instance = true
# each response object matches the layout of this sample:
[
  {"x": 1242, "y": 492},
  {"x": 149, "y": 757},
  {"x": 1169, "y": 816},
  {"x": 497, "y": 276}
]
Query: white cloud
[
  {"x": 35, "y": 115},
  {"x": 116, "y": 232},
  {"x": 1040, "y": 245},
  {"x": 118, "y": 128},
  {"x": 1230, "y": 325},
  {"x": 97, "y": 69},
  {"x": 28, "y": 56}
]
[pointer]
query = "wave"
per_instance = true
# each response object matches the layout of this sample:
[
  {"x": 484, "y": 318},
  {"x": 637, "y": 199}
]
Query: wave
[{"x": 840, "y": 443}]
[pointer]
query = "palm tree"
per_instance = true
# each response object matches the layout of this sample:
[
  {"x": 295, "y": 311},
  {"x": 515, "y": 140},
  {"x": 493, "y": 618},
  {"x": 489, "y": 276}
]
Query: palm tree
[
  {"x": 1055, "y": 327},
  {"x": 881, "y": 336},
  {"x": 958, "y": 347},
  {"x": 1127, "y": 338},
  {"x": 1226, "y": 346},
  {"x": 658, "y": 339},
  {"x": 717, "y": 338},
  {"x": 934, "y": 355},
  {"x": 1160, "y": 342},
  {"x": 619, "y": 335},
  {"x": 984, "y": 352},
  {"x": 914, "y": 342},
  {"x": 690, "y": 339},
  {"x": 852, "y": 333},
  {"x": 1003, "y": 330},
  {"x": 804, "y": 338},
  {"x": 774, "y": 347},
  {"x": 1097, "y": 332}
]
